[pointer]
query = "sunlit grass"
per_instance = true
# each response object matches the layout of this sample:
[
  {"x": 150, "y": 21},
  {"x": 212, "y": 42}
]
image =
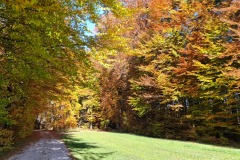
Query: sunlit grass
[{"x": 91, "y": 145}]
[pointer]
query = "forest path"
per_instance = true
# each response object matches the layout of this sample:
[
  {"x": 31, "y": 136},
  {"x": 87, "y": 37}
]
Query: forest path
[{"x": 48, "y": 147}]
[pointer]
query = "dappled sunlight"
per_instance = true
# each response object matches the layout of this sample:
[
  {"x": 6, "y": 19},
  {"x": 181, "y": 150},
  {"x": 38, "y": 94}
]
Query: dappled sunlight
[
  {"x": 55, "y": 149},
  {"x": 60, "y": 158},
  {"x": 85, "y": 150},
  {"x": 55, "y": 142},
  {"x": 44, "y": 149}
]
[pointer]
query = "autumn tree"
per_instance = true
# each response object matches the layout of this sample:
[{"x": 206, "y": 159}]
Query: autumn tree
[
  {"x": 184, "y": 63},
  {"x": 42, "y": 46}
]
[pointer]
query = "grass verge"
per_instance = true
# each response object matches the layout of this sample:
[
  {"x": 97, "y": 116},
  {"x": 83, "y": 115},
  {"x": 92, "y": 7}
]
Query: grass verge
[{"x": 92, "y": 145}]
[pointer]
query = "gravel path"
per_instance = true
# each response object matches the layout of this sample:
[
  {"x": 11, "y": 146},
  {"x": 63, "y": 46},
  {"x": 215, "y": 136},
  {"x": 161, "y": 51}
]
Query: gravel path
[{"x": 47, "y": 148}]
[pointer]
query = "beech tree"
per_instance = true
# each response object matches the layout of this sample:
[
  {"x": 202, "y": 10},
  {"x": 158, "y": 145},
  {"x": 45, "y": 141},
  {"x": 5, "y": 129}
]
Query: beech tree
[{"x": 42, "y": 46}]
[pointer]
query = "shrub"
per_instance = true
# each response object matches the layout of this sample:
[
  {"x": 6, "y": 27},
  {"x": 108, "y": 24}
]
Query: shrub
[{"x": 6, "y": 140}]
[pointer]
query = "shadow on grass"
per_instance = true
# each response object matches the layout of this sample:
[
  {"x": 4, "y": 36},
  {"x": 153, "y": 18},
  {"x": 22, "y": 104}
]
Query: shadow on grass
[{"x": 81, "y": 150}]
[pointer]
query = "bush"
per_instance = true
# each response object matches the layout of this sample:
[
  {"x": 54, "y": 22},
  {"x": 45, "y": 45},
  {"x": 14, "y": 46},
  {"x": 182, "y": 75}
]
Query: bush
[
  {"x": 212, "y": 134},
  {"x": 157, "y": 130},
  {"x": 6, "y": 140}
]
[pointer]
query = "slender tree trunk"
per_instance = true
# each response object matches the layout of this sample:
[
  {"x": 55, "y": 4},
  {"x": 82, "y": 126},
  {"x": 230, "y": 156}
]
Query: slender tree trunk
[
  {"x": 91, "y": 122},
  {"x": 91, "y": 125},
  {"x": 238, "y": 118}
]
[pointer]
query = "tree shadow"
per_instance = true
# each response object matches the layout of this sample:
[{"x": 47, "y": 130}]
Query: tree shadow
[{"x": 84, "y": 150}]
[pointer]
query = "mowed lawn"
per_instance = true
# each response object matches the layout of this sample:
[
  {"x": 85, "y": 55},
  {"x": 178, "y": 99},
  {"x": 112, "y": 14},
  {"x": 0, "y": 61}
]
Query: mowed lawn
[{"x": 92, "y": 145}]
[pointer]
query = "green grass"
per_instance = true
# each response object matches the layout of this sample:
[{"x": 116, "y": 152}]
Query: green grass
[{"x": 92, "y": 145}]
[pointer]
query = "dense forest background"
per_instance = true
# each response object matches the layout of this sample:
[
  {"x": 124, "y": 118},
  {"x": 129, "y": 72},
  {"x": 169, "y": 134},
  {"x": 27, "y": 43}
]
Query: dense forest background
[{"x": 161, "y": 68}]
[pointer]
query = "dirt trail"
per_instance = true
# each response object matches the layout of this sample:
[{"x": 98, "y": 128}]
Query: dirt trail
[{"x": 49, "y": 147}]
